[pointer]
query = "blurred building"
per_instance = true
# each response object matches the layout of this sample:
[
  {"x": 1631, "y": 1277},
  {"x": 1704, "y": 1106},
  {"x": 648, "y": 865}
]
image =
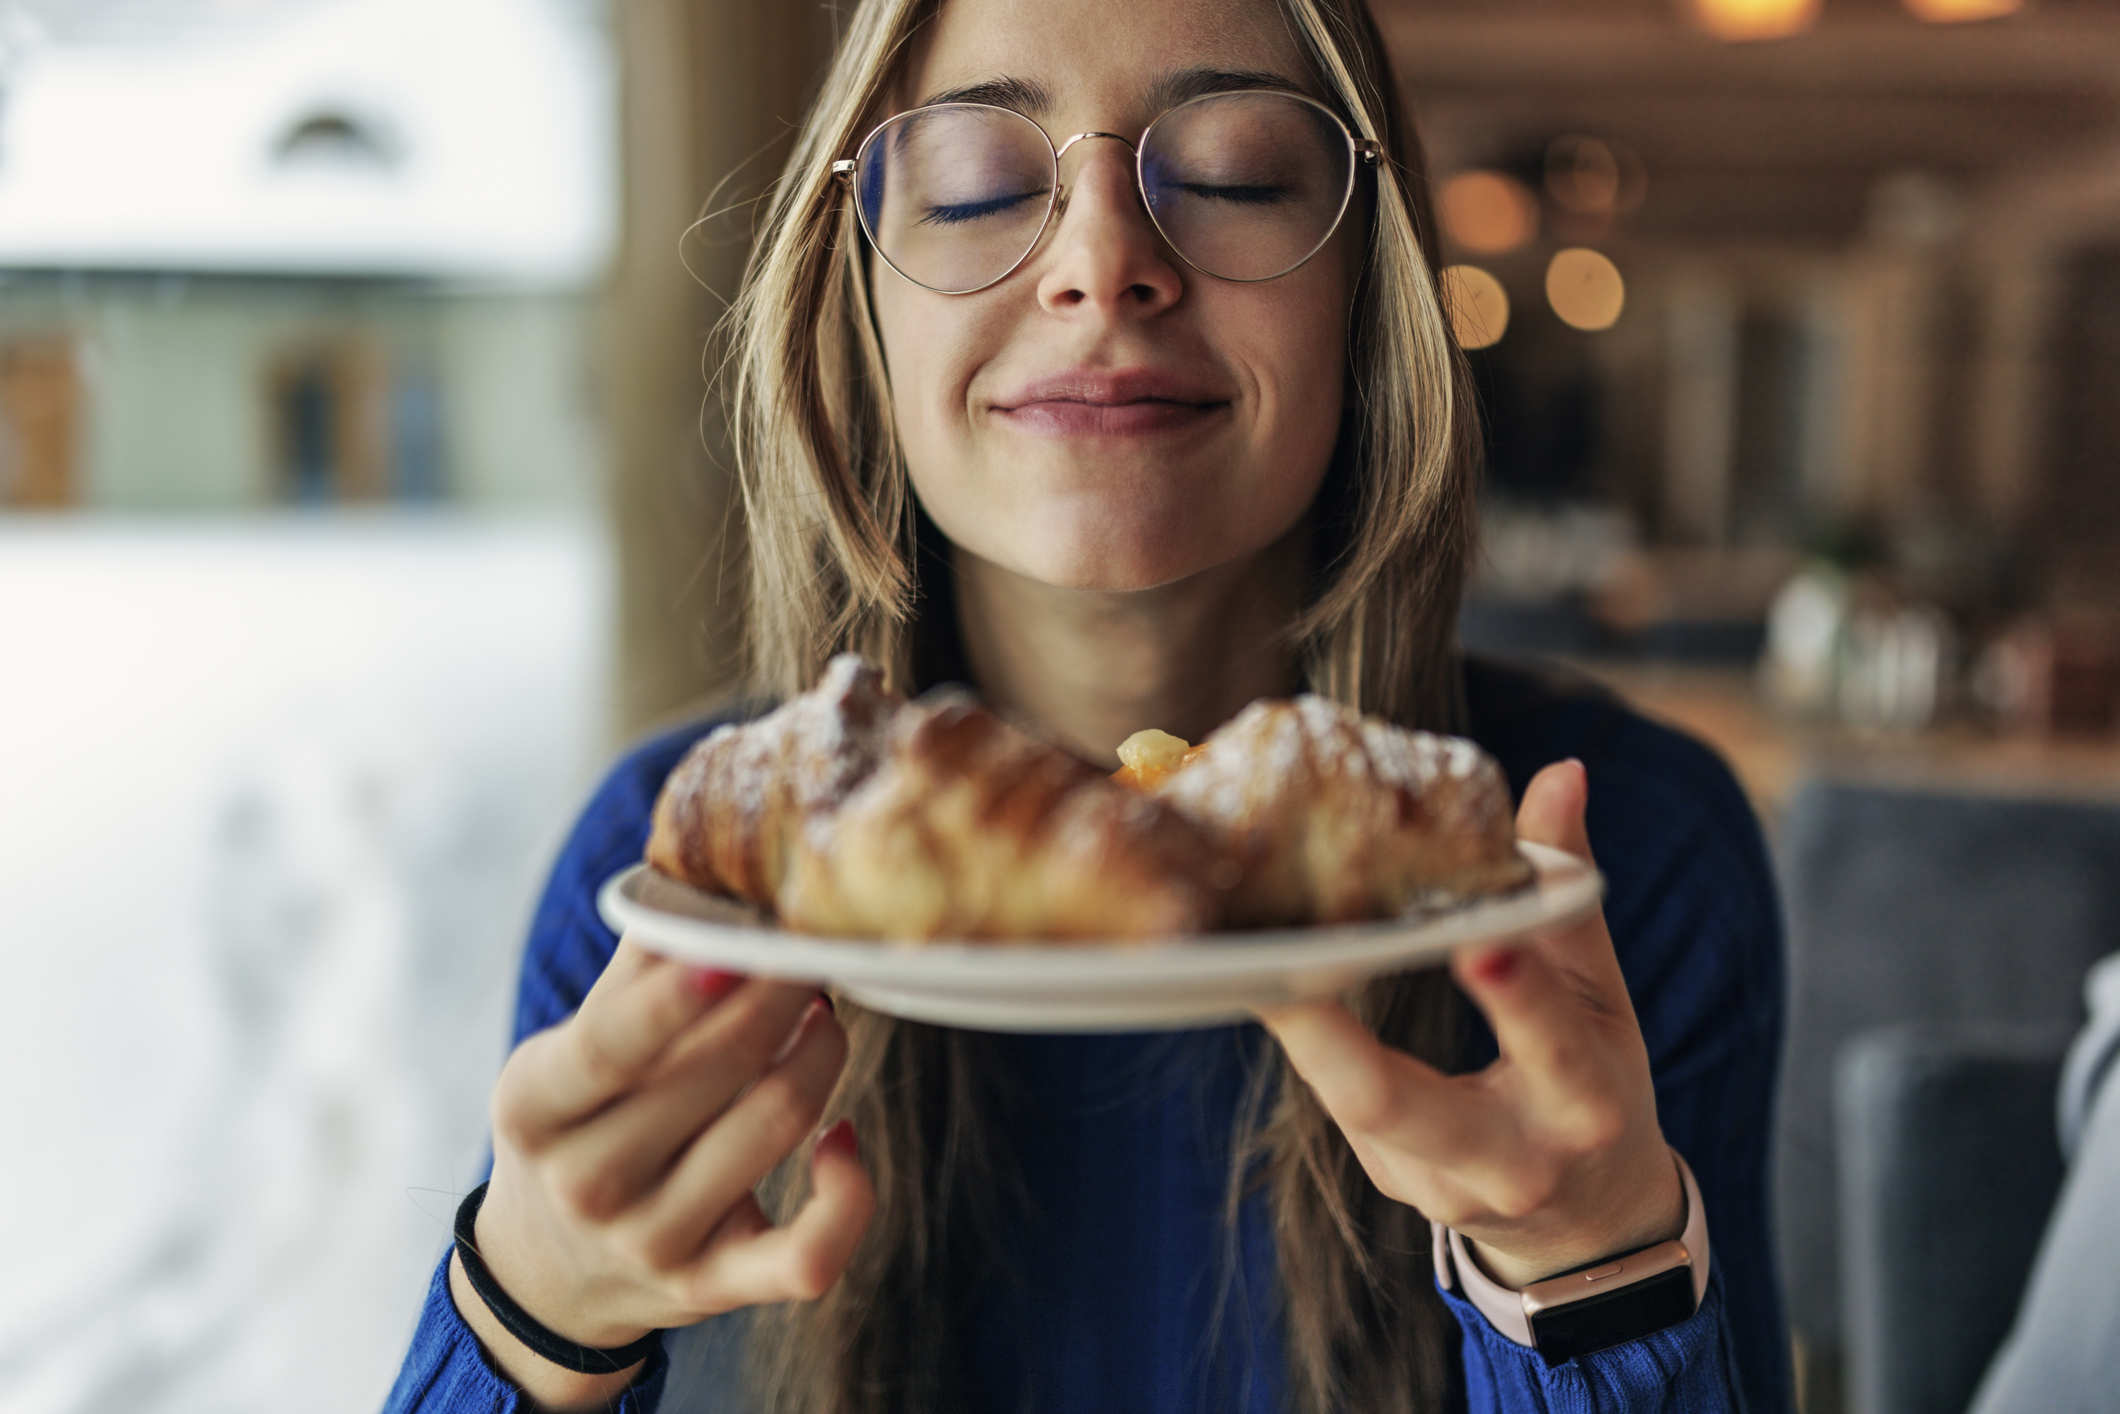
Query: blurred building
[{"x": 299, "y": 252}]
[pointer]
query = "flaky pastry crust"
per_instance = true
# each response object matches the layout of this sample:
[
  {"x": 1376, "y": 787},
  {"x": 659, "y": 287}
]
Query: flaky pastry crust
[
  {"x": 971, "y": 828},
  {"x": 1334, "y": 817},
  {"x": 727, "y": 818}
]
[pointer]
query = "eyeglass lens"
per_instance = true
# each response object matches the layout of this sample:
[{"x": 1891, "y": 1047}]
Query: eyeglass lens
[{"x": 1245, "y": 186}]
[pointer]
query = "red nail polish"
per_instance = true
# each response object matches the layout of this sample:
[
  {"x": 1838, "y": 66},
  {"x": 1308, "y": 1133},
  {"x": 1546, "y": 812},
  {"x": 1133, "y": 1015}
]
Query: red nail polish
[
  {"x": 714, "y": 985},
  {"x": 841, "y": 1139},
  {"x": 1496, "y": 967}
]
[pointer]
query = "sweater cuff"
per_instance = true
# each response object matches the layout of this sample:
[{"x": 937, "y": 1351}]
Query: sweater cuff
[
  {"x": 1687, "y": 1361},
  {"x": 447, "y": 1371}
]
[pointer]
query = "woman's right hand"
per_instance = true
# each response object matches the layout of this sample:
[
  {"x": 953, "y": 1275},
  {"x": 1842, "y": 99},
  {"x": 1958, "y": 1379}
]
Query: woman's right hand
[{"x": 627, "y": 1142}]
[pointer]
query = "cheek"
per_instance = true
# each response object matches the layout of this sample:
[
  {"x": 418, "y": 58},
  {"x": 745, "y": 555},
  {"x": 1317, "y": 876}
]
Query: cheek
[
  {"x": 1300, "y": 366},
  {"x": 914, "y": 334},
  {"x": 1294, "y": 355}
]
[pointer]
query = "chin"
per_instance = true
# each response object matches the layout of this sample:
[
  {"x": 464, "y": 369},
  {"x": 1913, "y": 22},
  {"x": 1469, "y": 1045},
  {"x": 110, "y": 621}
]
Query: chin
[
  {"x": 1124, "y": 532},
  {"x": 1121, "y": 563}
]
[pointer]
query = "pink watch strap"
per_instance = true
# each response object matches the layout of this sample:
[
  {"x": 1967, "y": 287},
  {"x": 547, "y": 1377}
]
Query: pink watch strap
[{"x": 1504, "y": 1308}]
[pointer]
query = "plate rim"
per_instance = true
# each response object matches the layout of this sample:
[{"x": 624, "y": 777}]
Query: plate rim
[{"x": 1565, "y": 888}]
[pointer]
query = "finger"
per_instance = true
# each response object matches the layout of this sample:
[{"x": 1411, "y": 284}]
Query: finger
[
  {"x": 1551, "y": 812},
  {"x": 605, "y": 1164},
  {"x": 799, "y": 1260},
  {"x": 748, "y": 1141},
  {"x": 634, "y": 1011},
  {"x": 1371, "y": 1089},
  {"x": 1543, "y": 1022}
]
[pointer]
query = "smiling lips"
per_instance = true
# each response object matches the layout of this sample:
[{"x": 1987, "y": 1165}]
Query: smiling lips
[{"x": 1110, "y": 403}]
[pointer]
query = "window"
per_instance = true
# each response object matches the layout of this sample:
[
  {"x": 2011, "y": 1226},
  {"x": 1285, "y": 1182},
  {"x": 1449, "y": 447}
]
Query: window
[{"x": 40, "y": 400}]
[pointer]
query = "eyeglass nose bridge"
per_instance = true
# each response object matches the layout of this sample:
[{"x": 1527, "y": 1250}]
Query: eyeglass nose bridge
[{"x": 1061, "y": 190}]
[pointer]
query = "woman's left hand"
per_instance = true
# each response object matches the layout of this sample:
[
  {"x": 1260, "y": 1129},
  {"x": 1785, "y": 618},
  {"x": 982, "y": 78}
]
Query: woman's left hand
[{"x": 1549, "y": 1158}]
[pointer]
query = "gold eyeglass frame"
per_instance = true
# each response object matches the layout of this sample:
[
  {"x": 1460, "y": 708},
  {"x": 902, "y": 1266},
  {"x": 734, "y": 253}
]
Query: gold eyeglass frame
[{"x": 1362, "y": 152}]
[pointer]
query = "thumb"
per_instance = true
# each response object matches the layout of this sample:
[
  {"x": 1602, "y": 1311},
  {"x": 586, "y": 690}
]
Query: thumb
[{"x": 1552, "y": 808}]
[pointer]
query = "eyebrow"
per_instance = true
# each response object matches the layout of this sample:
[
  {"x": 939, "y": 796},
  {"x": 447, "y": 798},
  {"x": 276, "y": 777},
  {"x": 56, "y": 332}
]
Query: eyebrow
[
  {"x": 1034, "y": 99},
  {"x": 1026, "y": 96},
  {"x": 1181, "y": 85}
]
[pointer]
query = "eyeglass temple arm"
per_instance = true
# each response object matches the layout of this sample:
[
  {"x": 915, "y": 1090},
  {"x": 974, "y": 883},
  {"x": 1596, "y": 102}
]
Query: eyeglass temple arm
[{"x": 843, "y": 168}]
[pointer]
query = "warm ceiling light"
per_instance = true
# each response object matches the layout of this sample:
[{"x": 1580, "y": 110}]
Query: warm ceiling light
[
  {"x": 1585, "y": 289},
  {"x": 1477, "y": 304},
  {"x": 1950, "y": 12},
  {"x": 1488, "y": 212},
  {"x": 1753, "y": 19}
]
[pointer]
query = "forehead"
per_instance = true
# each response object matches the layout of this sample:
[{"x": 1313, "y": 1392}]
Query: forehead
[{"x": 1098, "y": 62}]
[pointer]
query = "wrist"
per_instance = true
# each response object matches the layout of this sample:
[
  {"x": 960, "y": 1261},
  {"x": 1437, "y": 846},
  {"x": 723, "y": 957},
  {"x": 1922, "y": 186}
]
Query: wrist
[
  {"x": 1654, "y": 1212},
  {"x": 532, "y": 1284},
  {"x": 1568, "y": 1314},
  {"x": 548, "y": 1386}
]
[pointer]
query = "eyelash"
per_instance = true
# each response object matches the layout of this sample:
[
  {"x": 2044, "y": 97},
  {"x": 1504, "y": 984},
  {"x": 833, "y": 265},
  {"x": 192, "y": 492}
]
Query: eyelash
[
  {"x": 962, "y": 212},
  {"x": 1242, "y": 195}
]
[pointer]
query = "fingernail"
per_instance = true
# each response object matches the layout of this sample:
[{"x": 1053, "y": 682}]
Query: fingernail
[
  {"x": 840, "y": 1139},
  {"x": 1496, "y": 967},
  {"x": 713, "y": 984}
]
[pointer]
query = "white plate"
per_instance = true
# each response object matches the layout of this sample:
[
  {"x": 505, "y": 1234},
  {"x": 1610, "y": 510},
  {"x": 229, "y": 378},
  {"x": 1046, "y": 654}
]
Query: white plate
[{"x": 1204, "y": 980}]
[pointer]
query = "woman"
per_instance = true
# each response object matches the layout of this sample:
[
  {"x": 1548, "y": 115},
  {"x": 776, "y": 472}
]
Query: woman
[{"x": 1121, "y": 469}]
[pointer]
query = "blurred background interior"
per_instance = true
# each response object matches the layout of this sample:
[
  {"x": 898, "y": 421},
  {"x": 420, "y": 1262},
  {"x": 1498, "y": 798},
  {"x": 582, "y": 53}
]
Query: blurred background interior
[{"x": 358, "y": 499}]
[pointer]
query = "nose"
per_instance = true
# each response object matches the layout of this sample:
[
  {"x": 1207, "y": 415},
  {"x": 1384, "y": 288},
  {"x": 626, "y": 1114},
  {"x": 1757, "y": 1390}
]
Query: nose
[{"x": 1107, "y": 256}]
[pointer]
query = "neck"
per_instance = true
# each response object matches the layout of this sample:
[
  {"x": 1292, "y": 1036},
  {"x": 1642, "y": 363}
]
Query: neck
[{"x": 1093, "y": 668}]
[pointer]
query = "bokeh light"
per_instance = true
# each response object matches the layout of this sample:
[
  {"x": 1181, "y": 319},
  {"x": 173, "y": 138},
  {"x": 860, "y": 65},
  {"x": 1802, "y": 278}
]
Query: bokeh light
[
  {"x": 1582, "y": 174},
  {"x": 1753, "y": 19},
  {"x": 1488, "y": 212},
  {"x": 1477, "y": 304},
  {"x": 1949, "y": 12},
  {"x": 1585, "y": 289}
]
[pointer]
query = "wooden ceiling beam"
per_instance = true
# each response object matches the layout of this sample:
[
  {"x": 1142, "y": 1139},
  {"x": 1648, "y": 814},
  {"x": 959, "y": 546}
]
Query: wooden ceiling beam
[
  {"x": 1788, "y": 138},
  {"x": 2073, "y": 50}
]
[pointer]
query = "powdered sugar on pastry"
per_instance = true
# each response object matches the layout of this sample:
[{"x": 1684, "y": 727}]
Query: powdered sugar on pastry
[
  {"x": 728, "y": 815},
  {"x": 1333, "y": 816}
]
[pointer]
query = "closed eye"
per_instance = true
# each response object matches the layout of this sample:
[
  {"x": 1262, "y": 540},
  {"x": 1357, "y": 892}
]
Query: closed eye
[
  {"x": 957, "y": 213},
  {"x": 1242, "y": 195}
]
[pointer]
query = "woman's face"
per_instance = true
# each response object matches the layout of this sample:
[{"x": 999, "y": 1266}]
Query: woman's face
[{"x": 1107, "y": 417}]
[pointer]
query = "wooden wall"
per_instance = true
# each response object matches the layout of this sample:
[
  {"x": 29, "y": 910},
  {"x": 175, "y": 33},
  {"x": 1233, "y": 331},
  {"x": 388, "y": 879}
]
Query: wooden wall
[{"x": 712, "y": 91}]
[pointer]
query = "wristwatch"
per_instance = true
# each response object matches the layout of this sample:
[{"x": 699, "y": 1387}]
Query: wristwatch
[{"x": 1600, "y": 1304}]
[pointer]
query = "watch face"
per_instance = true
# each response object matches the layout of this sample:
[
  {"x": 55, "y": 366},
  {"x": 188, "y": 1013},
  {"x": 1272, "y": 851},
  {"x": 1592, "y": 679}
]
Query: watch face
[{"x": 1613, "y": 1317}]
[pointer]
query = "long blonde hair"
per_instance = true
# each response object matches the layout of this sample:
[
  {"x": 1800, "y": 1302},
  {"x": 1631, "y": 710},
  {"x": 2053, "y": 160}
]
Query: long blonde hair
[{"x": 836, "y": 563}]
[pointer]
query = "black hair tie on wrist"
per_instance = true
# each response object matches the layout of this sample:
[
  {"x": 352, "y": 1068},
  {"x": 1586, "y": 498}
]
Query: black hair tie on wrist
[{"x": 582, "y": 1359}]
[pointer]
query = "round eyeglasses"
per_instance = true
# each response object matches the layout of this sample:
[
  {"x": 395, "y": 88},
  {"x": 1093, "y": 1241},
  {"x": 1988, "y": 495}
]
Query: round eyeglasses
[{"x": 1244, "y": 186}]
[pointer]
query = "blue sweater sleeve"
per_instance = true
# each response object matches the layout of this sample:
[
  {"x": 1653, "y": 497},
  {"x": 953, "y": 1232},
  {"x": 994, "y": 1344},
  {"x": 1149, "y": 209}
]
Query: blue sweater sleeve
[
  {"x": 1696, "y": 924},
  {"x": 446, "y": 1371},
  {"x": 1688, "y": 1369}
]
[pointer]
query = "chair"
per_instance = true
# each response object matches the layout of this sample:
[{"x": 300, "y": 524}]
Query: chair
[
  {"x": 1948, "y": 1167},
  {"x": 1910, "y": 905}
]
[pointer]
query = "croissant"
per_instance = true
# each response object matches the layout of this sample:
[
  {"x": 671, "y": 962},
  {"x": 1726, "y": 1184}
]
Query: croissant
[
  {"x": 970, "y": 828},
  {"x": 728, "y": 816},
  {"x": 1334, "y": 817}
]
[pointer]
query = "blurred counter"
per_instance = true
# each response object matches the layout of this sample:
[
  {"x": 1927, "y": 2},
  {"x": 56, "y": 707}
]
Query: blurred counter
[{"x": 1773, "y": 754}]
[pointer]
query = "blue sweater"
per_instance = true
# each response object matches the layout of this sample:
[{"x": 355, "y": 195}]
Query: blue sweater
[{"x": 1121, "y": 1293}]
